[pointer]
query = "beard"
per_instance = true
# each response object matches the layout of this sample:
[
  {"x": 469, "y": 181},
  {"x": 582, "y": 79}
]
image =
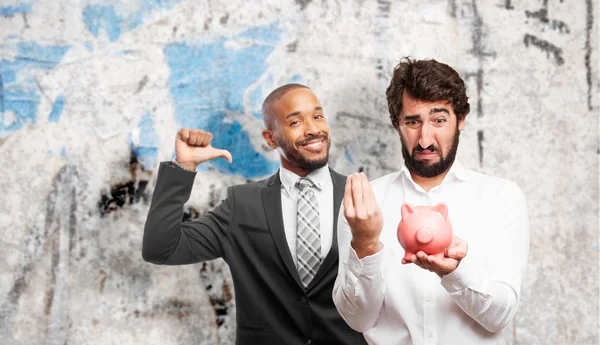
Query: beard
[
  {"x": 421, "y": 167},
  {"x": 294, "y": 156}
]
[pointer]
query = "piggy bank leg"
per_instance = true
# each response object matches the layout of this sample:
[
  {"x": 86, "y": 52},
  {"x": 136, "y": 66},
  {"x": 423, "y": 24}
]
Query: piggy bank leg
[{"x": 408, "y": 256}]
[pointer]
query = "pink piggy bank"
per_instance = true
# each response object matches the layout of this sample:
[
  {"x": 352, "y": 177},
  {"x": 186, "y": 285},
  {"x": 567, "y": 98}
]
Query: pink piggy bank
[{"x": 425, "y": 228}]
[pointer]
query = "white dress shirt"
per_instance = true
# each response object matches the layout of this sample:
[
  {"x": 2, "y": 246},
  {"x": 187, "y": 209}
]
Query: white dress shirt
[
  {"x": 404, "y": 304},
  {"x": 289, "y": 203}
]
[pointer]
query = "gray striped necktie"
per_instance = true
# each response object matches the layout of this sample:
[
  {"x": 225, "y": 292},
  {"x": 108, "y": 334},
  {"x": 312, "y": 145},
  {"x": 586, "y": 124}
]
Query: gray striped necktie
[{"x": 308, "y": 244}]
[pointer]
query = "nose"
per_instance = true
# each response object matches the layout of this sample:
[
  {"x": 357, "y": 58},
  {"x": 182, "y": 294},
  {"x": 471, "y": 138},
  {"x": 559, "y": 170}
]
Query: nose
[
  {"x": 311, "y": 128},
  {"x": 426, "y": 136}
]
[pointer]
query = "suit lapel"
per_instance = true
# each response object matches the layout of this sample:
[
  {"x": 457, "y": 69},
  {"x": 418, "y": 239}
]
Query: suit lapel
[
  {"x": 271, "y": 198},
  {"x": 339, "y": 185}
]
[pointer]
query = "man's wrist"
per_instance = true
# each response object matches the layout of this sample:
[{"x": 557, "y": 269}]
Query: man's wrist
[
  {"x": 366, "y": 248},
  {"x": 184, "y": 166}
]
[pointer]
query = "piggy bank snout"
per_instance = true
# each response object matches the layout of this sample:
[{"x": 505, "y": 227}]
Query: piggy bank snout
[{"x": 424, "y": 236}]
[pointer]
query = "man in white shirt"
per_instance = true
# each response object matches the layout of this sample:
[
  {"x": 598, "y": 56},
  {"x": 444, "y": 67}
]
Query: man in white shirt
[{"x": 472, "y": 294}]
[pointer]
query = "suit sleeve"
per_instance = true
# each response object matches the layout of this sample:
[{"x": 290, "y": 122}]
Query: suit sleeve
[{"x": 168, "y": 240}]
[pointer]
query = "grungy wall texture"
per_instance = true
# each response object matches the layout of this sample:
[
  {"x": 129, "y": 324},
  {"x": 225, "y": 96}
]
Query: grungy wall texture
[{"x": 92, "y": 93}]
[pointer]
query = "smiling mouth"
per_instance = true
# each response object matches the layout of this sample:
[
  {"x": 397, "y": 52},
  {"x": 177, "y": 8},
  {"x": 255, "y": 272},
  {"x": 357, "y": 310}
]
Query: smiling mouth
[{"x": 314, "y": 145}]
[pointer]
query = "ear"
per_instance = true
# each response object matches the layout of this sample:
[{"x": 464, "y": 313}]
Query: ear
[
  {"x": 442, "y": 209},
  {"x": 406, "y": 210},
  {"x": 461, "y": 123},
  {"x": 269, "y": 138}
]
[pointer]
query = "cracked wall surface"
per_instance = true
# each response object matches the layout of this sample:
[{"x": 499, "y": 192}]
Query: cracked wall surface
[{"x": 93, "y": 92}]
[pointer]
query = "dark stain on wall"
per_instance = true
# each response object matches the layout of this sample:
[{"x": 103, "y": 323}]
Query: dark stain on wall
[
  {"x": 542, "y": 16},
  {"x": 292, "y": 47},
  {"x": 589, "y": 23},
  {"x": 25, "y": 20},
  {"x": 365, "y": 121},
  {"x": 173, "y": 306},
  {"x": 190, "y": 213},
  {"x": 303, "y": 3},
  {"x": 452, "y": 8},
  {"x": 220, "y": 299},
  {"x": 122, "y": 193},
  {"x": 144, "y": 80},
  {"x": 480, "y": 140},
  {"x": 480, "y": 53},
  {"x": 384, "y": 7},
  {"x": 223, "y": 20},
  {"x": 550, "y": 49},
  {"x": 9, "y": 302}
]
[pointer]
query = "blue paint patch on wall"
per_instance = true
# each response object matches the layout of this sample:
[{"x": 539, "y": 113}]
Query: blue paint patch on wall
[
  {"x": 24, "y": 7},
  {"x": 297, "y": 79},
  {"x": 208, "y": 81},
  {"x": 57, "y": 109},
  {"x": 114, "y": 23},
  {"x": 1, "y": 97},
  {"x": 348, "y": 156},
  {"x": 20, "y": 97},
  {"x": 146, "y": 149},
  {"x": 256, "y": 99},
  {"x": 98, "y": 17}
]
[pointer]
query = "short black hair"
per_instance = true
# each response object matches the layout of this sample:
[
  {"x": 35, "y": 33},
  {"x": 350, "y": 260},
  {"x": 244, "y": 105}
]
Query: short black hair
[
  {"x": 426, "y": 80},
  {"x": 274, "y": 96}
]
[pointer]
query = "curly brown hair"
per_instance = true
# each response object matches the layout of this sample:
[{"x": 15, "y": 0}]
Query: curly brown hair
[{"x": 426, "y": 80}]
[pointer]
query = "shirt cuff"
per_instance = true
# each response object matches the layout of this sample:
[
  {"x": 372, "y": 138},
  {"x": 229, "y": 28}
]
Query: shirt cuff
[
  {"x": 466, "y": 274},
  {"x": 367, "y": 265},
  {"x": 175, "y": 164}
]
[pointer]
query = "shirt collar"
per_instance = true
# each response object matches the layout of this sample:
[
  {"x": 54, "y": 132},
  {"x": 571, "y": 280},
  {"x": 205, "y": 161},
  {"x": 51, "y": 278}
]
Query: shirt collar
[
  {"x": 320, "y": 177},
  {"x": 456, "y": 172}
]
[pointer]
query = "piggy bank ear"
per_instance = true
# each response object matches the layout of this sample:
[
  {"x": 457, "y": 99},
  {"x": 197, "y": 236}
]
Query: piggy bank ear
[
  {"x": 442, "y": 209},
  {"x": 406, "y": 210}
]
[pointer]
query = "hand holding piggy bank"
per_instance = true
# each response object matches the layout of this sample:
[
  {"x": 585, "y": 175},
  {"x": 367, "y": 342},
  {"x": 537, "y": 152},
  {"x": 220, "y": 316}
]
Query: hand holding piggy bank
[{"x": 424, "y": 228}]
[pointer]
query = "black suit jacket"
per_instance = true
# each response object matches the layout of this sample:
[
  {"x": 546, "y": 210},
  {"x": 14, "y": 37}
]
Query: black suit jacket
[{"x": 246, "y": 230}]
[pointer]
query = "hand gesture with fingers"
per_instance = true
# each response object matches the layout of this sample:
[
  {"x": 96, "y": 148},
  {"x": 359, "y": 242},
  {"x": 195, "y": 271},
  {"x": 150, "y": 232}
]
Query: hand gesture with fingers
[
  {"x": 452, "y": 256},
  {"x": 363, "y": 215},
  {"x": 192, "y": 147}
]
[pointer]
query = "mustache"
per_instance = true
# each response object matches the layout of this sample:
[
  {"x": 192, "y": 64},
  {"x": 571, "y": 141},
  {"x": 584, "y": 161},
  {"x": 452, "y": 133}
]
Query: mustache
[
  {"x": 429, "y": 148},
  {"x": 316, "y": 137}
]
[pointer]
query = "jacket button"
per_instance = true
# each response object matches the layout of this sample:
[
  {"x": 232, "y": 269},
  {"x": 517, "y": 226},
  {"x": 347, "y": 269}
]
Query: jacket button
[{"x": 303, "y": 301}]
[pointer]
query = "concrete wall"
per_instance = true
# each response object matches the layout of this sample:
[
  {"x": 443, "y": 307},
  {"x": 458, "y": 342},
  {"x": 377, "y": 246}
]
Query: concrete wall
[{"x": 93, "y": 92}]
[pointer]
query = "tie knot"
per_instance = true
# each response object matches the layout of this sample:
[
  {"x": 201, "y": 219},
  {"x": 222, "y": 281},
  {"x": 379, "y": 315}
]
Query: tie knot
[{"x": 304, "y": 182}]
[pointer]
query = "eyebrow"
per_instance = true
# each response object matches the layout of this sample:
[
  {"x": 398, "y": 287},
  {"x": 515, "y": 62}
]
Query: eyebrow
[
  {"x": 432, "y": 111},
  {"x": 412, "y": 117},
  {"x": 296, "y": 113},
  {"x": 439, "y": 110}
]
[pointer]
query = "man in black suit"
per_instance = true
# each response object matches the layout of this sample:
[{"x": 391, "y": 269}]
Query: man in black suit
[{"x": 278, "y": 236}]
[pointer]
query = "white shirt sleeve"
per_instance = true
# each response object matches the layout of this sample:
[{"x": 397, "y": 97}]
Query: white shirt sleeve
[
  {"x": 490, "y": 294},
  {"x": 359, "y": 288}
]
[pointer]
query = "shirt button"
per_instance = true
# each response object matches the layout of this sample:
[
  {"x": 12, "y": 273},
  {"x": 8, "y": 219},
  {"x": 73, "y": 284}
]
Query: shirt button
[
  {"x": 429, "y": 334},
  {"x": 303, "y": 300},
  {"x": 308, "y": 342},
  {"x": 428, "y": 298}
]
